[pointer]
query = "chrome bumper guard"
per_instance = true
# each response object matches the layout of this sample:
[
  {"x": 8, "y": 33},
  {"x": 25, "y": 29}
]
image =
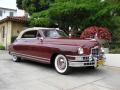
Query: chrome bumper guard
[{"x": 84, "y": 61}]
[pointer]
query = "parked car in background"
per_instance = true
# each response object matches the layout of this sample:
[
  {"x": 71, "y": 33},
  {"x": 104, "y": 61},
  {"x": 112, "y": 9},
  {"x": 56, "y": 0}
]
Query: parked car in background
[{"x": 53, "y": 46}]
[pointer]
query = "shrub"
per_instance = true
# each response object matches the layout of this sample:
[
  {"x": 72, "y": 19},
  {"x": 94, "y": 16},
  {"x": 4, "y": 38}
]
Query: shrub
[
  {"x": 114, "y": 45},
  {"x": 2, "y": 47},
  {"x": 115, "y": 51},
  {"x": 13, "y": 38},
  {"x": 102, "y": 33}
]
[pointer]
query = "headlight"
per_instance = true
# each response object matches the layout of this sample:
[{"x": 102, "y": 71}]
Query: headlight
[
  {"x": 102, "y": 50},
  {"x": 80, "y": 51}
]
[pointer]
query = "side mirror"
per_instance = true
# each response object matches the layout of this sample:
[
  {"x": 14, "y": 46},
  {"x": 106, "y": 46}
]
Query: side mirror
[{"x": 40, "y": 38}]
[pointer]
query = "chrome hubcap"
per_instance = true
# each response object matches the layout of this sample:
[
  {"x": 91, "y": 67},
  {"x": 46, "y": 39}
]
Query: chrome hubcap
[
  {"x": 61, "y": 64},
  {"x": 14, "y": 58}
]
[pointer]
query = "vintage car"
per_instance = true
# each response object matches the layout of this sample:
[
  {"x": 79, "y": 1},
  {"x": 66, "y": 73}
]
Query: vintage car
[{"x": 53, "y": 46}]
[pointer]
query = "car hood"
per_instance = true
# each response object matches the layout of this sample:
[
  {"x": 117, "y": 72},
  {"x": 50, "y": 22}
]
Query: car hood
[{"x": 84, "y": 43}]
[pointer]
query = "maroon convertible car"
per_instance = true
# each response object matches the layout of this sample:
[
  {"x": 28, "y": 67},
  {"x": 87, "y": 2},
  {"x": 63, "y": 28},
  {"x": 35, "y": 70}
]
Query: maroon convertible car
[{"x": 53, "y": 46}]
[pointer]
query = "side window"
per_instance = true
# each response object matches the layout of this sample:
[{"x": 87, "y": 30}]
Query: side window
[
  {"x": 38, "y": 34},
  {"x": 30, "y": 34},
  {"x": 11, "y": 14}
]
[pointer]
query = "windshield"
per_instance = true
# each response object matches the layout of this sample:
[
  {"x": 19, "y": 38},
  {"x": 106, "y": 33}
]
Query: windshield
[{"x": 54, "y": 33}]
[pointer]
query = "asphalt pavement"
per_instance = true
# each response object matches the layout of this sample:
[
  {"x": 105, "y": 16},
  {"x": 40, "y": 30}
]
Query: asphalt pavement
[{"x": 28, "y": 75}]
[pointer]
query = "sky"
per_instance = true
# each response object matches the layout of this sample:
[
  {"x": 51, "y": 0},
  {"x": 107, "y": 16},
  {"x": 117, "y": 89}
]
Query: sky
[
  {"x": 12, "y": 5},
  {"x": 8, "y": 4}
]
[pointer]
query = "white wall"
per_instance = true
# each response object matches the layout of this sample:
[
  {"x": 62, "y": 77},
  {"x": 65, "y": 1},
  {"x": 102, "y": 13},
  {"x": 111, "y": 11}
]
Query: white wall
[
  {"x": 11, "y": 4},
  {"x": 113, "y": 60},
  {"x": 20, "y": 12},
  {"x": 6, "y": 13}
]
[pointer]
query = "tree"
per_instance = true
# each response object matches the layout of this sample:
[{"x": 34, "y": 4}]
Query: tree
[
  {"x": 77, "y": 14},
  {"x": 19, "y": 4},
  {"x": 41, "y": 19},
  {"x": 116, "y": 11},
  {"x": 81, "y": 13},
  {"x": 33, "y": 6}
]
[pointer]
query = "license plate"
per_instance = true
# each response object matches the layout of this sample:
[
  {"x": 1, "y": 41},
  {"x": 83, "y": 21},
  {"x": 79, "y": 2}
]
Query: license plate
[{"x": 100, "y": 62}]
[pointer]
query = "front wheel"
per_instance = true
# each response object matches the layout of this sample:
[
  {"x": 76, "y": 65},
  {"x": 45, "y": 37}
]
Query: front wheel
[
  {"x": 61, "y": 64},
  {"x": 15, "y": 58}
]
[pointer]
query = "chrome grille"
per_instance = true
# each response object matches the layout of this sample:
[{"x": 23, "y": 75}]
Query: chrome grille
[
  {"x": 95, "y": 51},
  {"x": 86, "y": 58}
]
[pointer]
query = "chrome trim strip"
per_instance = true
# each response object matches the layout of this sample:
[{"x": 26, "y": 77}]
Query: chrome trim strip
[
  {"x": 82, "y": 58},
  {"x": 41, "y": 60},
  {"x": 81, "y": 64},
  {"x": 33, "y": 57},
  {"x": 71, "y": 56},
  {"x": 77, "y": 56}
]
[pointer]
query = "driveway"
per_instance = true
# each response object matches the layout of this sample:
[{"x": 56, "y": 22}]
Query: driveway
[{"x": 27, "y": 75}]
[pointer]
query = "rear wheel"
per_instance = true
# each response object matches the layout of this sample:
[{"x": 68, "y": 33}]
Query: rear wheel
[
  {"x": 61, "y": 64},
  {"x": 16, "y": 58}
]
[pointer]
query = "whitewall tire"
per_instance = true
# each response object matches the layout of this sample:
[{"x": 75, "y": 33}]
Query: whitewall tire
[
  {"x": 15, "y": 58},
  {"x": 61, "y": 64}
]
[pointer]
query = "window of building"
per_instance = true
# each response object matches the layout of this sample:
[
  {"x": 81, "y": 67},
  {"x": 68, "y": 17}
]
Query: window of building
[
  {"x": 11, "y": 13},
  {"x": 1, "y": 12},
  {"x": 4, "y": 11},
  {"x": 3, "y": 32}
]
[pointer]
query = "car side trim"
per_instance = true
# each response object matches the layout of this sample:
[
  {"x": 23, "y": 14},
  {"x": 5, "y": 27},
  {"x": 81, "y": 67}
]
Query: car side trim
[{"x": 30, "y": 56}]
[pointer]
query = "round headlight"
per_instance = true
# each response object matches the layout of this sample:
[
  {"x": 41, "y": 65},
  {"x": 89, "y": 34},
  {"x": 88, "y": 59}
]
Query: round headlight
[{"x": 80, "y": 51}]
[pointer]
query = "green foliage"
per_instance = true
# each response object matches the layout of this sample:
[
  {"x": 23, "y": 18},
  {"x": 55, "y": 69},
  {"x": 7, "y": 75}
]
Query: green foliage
[
  {"x": 13, "y": 38},
  {"x": 64, "y": 12},
  {"x": 2, "y": 47},
  {"x": 32, "y": 6},
  {"x": 116, "y": 31},
  {"x": 40, "y": 19},
  {"x": 77, "y": 14},
  {"x": 116, "y": 4},
  {"x": 115, "y": 51},
  {"x": 19, "y": 4}
]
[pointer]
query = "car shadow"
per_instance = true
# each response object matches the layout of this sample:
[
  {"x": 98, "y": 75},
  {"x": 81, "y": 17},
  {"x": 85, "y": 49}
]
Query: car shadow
[
  {"x": 87, "y": 71},
  {"x": 74, "y": 71},
  {"x": 33, "y": 63}
]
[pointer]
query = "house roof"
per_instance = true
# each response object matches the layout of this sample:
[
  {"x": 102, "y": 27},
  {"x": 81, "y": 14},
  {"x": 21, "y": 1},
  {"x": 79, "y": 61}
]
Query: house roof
[
  {"x": 8, "y": 9},
  {"x": 22, "y": 19}
]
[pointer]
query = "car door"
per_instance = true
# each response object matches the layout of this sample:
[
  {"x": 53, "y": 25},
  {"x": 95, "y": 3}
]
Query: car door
[
  {"x": 36, "y": 49},
  {"x": 31, "y": 46},
  {"x": 22, "y": 45}
]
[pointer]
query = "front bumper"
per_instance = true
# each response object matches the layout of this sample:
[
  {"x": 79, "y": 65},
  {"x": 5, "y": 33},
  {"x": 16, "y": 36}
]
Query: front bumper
[{"x": 86, "y": 61}]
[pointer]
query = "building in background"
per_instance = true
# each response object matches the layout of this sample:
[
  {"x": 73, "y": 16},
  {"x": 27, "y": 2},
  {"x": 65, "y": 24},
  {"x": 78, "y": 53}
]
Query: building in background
[
  {"x": 10, "y": 27},
  {"x": 12, "y": 21},
  {"x": 11, "y": 5},
  {"x": 4, "y": 12}
]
